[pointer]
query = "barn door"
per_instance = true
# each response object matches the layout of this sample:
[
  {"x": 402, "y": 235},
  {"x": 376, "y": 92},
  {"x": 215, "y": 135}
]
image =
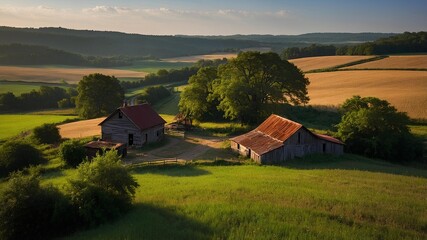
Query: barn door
[{"x": 130, "y": 139}]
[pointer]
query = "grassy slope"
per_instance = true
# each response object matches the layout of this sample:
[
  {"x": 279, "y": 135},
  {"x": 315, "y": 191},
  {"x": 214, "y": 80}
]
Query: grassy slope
[
  {"x": 268, "y": 202},
  {"x": 13, "y": 124}
]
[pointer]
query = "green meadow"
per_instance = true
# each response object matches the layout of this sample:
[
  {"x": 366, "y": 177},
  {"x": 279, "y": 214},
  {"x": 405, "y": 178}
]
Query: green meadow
[
  {"x": 14, "y": 124},
  {"x": 19, "y": 88},
  {"x": 346, "y": 197}
]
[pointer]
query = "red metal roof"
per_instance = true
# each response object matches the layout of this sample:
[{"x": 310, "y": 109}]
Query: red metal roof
[
  {"x": 329, "y": 138},
  {"x": 142, "y": 116}
]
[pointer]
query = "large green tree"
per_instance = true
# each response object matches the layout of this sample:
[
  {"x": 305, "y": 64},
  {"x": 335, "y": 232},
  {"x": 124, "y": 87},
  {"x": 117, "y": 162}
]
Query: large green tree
[
  {"x": 98, "y": 95},
  {"x": 372, "y": 127},
  {"x": 196, "y": 101},
  {"x": 251, "y": 82}
]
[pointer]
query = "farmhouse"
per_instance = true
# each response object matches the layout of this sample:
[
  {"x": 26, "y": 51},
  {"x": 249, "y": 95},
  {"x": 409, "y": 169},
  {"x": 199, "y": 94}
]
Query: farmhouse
[
  {"x": 133, "y": 125},
  {"x": 278, "y": 139}
]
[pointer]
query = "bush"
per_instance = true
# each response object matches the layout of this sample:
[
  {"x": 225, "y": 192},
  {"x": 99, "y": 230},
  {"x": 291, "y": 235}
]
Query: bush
[
  {"x": 104, "y": 189},
  {"x": 72, "y": 152},
  {"x": 47, "y": 133},
  {"x": 372, "y": 127},
  {"x": 17, "y": 156},
  {"x": 31, "y": 212}
]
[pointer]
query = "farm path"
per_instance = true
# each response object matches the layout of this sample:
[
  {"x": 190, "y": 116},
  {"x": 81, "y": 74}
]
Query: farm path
[{"x": 183, "y": 149}]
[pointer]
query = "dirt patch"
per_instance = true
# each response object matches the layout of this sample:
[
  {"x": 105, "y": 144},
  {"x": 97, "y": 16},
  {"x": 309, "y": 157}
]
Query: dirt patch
[{"x": 81, "y": 129}]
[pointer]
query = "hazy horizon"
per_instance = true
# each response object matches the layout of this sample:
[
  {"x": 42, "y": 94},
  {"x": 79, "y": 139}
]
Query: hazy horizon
[{"x": 186, "y": 17}]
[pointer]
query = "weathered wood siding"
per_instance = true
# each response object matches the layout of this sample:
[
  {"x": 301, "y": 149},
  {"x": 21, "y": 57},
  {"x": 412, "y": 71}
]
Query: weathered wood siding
[
  {"x": 118, "y": 129},
  {"x": 300, "y": 144}
]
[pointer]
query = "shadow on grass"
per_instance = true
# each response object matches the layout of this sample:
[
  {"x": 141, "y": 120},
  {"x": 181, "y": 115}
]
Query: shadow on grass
[
  {"x": 146, "y": 221},
  {"x": 353, "y": 162},
  {"x": 171, "y": 170}
]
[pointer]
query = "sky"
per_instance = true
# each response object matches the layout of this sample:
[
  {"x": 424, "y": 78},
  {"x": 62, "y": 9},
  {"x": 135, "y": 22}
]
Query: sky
[{"x": 219, "y": 17}]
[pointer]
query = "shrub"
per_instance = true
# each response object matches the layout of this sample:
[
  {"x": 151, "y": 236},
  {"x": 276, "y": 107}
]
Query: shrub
[
  {"x": 17, "y": 156},
  {"x": 72, "y": 152},
  {"x": 372, "y": 127},
  {"x": 31, "y": 212},
  {"x": 47, "y": 133},
  {"x": 104, "y": 189}
]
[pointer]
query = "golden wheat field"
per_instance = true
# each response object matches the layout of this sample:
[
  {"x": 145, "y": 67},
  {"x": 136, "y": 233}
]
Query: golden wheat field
[
  {"x": 81, "y": 129},
  {"x": 58, "y": 74},
  {"x": 312, "y": 63},
  {"x": 406, "y": 90},
  {"x": 196, "y": 58},
  {"x": 414, "y": 61}
]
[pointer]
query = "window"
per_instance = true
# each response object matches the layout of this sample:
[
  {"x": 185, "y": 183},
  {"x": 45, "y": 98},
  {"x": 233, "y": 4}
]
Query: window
[
  {"x": 299, "y": 138},
  {"x": 238, "y": 146},
  {"x": 324, "y": 147},
  {"x": 120, "y": 114}
]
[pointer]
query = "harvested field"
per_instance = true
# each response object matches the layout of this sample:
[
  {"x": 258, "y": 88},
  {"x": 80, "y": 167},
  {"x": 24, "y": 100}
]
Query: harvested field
[
  {"x": 406, "y": 90},
  {"x": 81, "y": 129},
  {"x": 312, "y": 63},
  {"x": 58, "y": 74},
  {"x": 414, "y": 61},
  {"x": 196, "y": 58}
]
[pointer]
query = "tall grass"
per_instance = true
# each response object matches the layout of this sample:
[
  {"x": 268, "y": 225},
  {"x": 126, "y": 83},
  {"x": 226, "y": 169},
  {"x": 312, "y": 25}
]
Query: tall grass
[{"x": 268, "y": 202}]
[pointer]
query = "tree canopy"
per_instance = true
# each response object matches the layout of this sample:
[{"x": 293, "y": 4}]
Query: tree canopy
[
  {"x": 253, "y": 80},
  {"x": 244, "y": 88},
  {"x": 372, "y": 127},
  {"x": 98, "y": 95}
]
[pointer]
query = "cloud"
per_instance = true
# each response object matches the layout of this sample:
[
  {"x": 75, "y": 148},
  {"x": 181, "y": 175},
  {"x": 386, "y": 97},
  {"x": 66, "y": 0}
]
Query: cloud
[{"x": 143, "y": 20}]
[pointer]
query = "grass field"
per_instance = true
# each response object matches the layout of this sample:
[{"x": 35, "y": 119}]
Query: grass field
[
  {"x": 195, "y": 58},
  {"x": 13, "y": 124},
  {"x": 406, "y": 90},
  {"x": 59, "y": 74},
  {"x": 312, "y": 63},
  {"x": 18, "y": 88},
  {"x": 335, "y": 198},
  {"x": 415, "y": 62}
]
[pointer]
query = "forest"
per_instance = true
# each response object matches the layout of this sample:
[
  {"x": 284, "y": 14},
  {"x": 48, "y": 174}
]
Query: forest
[{"x": 408, "y": 42}]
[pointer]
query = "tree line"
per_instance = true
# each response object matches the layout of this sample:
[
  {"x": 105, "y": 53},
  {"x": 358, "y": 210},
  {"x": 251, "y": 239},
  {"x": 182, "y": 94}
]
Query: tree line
[
  {"x": 164, "y": 76},
  {"x": 43, "y": 98},
  {"x": 19, "y": 54},
  {"x": 408, "y": 42}
]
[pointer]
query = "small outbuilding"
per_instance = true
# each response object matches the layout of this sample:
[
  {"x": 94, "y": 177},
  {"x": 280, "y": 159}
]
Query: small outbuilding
[
  {"x": 133, "y": 125},
  {"x": 278, "y": 139},
  {"x": 94, "y": 147}
]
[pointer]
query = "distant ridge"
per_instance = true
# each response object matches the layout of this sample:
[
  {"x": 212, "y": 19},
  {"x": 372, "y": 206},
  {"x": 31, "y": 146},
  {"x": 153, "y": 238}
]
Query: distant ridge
[{"x": 108, "y": 43}]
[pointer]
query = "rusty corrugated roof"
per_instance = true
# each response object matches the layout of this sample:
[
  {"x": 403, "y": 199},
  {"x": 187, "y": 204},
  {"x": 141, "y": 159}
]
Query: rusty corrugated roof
[
  {"x": 329, "y": 138},
  {"x": 258, "y": 142},
  {"x": 103, "y": 144},
  {"x": 272, "y": 133},
  {"x": 278, "y": 127}
]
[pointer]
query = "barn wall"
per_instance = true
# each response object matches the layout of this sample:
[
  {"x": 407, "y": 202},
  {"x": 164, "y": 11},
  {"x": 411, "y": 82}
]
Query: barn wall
[
  {"x": 118, "y": 129},
  {"x": 242, "y": 150},
  {"x": 295, "y": 146}
]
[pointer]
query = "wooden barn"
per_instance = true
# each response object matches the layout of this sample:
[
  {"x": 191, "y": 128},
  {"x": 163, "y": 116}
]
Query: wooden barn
[
  {"x": 133, "y": 125},
  {"x": 278, "y": 139}
]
